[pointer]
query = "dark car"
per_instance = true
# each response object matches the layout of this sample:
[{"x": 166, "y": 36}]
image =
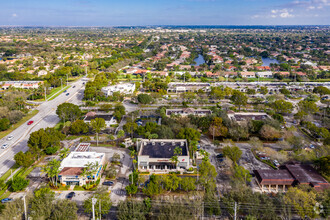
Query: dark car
[
  {"x": 107, "y": 183},
  {"x": 220, "y": 156},
  {"x": 30, "y": 122},
  {"x": 70, "y": 195},
  {"x": 6, "y": 200},
  {"x": 73, "y": 86},
  {"x": 67, "y": 94}
]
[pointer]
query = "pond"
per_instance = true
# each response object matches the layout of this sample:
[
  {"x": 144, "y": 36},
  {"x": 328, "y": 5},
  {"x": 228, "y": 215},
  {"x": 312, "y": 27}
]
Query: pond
[
  {"x": 199, "y": 60},
  {"x": 266, "y": 61}
]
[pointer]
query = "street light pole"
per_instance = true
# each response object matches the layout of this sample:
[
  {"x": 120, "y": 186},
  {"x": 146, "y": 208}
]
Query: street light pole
[
  {"x": 67, "y": 79},
  {"x": 25, "y": 212},
  {"x": 93, "y": 203}
]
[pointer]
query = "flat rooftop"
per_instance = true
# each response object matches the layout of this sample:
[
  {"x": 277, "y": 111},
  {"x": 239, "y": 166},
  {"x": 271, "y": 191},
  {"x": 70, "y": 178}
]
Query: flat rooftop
[
  {"x": 80, "y": 159},
  {"x": 304, "y": 173},
  {"x": 162, "y": 148},
  {"x": 273, "y": 177},
  {"x": 106, "y": 117},
  {"x": 244, "y": 116}
]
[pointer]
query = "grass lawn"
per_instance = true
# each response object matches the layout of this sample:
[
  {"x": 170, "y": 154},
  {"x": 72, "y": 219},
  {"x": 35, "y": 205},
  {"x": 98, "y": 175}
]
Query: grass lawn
[
  {"x": 5, "y": 195},
  {"x": 79, "y": 188},
  {"x": 8, "y": 173},
  {"x": 22, "y": 121},
  {"x": 56, "y": 92}
]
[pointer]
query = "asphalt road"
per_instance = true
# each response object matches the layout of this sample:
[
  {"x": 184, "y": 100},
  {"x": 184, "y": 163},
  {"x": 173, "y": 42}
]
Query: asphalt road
[{"x": 46, "y": 117}]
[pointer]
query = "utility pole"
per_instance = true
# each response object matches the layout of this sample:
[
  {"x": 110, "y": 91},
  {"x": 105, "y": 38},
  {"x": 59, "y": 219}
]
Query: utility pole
[
  {"x": 45, "y": 94},
  {"x": 25, "y": 212},
  {"x": 235, "y": 211},
  {"x": 100, "y": 209},
  {"x": 67, "y": 79},
  {"x": 93, "y": 203},
  {"x": 61, "y": 83}
]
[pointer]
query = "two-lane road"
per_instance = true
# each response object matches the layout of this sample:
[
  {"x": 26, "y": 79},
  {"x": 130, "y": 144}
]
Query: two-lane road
[{"x": 46, "y": 117}]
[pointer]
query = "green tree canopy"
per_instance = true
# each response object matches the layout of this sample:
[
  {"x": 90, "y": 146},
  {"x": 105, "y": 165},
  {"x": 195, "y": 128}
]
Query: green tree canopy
[{"x": 68, "y": 112}]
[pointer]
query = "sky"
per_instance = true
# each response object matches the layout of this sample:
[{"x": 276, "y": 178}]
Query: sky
[{"x": 163, "y": 12}]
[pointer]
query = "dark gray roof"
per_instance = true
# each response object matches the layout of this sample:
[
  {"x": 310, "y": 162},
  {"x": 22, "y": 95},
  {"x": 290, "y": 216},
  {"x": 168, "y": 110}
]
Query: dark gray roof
[
  {"x": 162, "y": 151},
  {"x": 105, "y": 117}
]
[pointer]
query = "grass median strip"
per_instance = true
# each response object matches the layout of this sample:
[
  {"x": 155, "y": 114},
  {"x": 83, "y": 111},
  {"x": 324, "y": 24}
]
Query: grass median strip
[{"x": 22, "y": 121}]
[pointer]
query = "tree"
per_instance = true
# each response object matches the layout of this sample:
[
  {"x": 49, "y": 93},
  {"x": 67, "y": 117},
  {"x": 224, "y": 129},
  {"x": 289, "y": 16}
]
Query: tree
[
  {"x": 68, "y": 112},
  {"x": 130, "y": 127},
  {"x": 24, "y": 159},
  {"x": 263, "y": 90},
  {"x": 64, "y": 153},
  {"x": 13, "y": 210},
  {"x": 79, "y": 127},
  {"x": 19, "y": 183},
  {"x": 132, "y": 209},
  {"x": 120, "y": 134},
  {"x": 241, "y": 174},
  {"x": 42, "y": 203},
  {"x": 103, "y": 201},
  {"x": 322, "y": 164},
  {"x": 144, "y": 98},
  {"x": 321, "y": 90},
  {"x": 233, "y": 153},
  {"x": 188, "y": 184},
  {"x": 302, "y": 201},
  {"x": 190, "y": 134},
  {"x": 239, "y": 99},
  {"x": 308, "y": 107},
  {"x": 281, "y": 106},
  {"x": 217, "y": 129},
  {"x": 270, "y": 133},
  {"x": 52, "y": 169},
  {"x": 4, "y": 124},
  {"x": 175, "y": 160},
  {"x": 207, "y": 175},
  {"x": 64, "y": 209},
  {"x": 238, "y": 132},
  {"x": 97, "y": 124},
  {"x": 131, "y": 189}
]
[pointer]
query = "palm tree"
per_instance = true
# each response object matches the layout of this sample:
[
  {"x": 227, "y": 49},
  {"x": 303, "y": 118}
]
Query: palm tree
[
  {"x": 64, "y": 153},
  {"x": 174, "y": 160},
  {"x": 177, "y": 151},
  {"x": 97, "y": 124}
]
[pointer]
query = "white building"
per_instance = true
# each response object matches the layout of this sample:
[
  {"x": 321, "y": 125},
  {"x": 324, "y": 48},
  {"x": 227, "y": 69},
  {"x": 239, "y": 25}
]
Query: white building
[
  {"x": 267, "y": 74},
  {"x": 21, "y": 84},
  {"x": 42, "y": 73},
  {"x": 155, "y": 155},
  {"x": 125, "y": 88},
  {"x": 184, "y": 112},
  {"x": 188, "y": 87},
  {"x": 72, "y": 167}
]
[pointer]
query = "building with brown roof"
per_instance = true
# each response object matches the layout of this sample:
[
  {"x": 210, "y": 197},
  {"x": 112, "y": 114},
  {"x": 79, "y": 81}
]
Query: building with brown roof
[{"x": 290, "y": 175}]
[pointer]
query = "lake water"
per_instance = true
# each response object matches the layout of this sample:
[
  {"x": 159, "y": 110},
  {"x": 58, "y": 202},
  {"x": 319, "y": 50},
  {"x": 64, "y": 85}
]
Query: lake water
[
  {"x": 267, "y": 61},
  {"x": 199, "y": 60}
]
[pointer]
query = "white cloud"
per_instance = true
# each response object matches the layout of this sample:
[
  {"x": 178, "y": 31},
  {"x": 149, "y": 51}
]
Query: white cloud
[
  {"x": 282, "y": 13},
  {"x": 14, "y": 15}
]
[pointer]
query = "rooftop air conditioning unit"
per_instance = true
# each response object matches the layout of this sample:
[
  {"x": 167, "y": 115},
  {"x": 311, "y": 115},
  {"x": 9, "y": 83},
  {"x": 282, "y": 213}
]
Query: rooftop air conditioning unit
[
  {"x": 153, "y": 143},
  {"x": 173, "y": 143},
  {"x": 162, "y": 143},
  {"x": 182, "y": 143}
]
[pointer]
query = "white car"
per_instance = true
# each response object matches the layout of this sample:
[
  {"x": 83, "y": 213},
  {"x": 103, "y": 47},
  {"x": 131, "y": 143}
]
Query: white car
[
  {"x": 4, "y": 146},
  {"x": 10, "y": 137}
]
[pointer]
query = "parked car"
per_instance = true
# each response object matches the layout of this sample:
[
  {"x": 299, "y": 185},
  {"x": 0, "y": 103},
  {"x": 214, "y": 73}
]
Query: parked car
[
  {"x": 276, "y": 163},
  {"x": 4, "y": 146},
  {"x": 70, "y": 195},
  {"x": 108, "y": 183},
  {"x": 312, "y": 146},
  {"x": 67, "y": 94},
  {"x": 10, "y": 137},
  {"x": 220, "y": 156},
  {"x": 30, "y": 122},
  {"x": 6, "y": 200}
]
